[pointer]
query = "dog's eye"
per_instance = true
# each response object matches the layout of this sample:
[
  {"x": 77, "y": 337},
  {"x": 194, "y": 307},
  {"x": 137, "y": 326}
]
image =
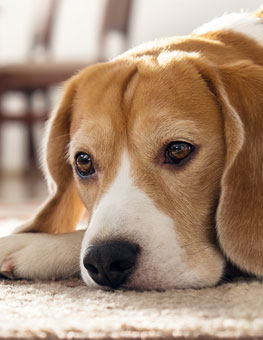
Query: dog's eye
[
  {"x": 84, "y": 165},
  {"x": 178, "y": 151}
]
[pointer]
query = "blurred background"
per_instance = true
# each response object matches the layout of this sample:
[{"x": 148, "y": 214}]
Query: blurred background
[{"x": 43, "y": 42}]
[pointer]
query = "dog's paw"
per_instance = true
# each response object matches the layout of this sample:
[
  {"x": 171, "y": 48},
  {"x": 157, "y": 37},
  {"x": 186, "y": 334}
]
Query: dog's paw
[{"x": 40, "y": 256}]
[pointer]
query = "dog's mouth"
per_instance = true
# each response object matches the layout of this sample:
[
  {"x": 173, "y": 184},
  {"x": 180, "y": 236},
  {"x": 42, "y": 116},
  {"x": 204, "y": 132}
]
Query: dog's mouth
[
  {"x": 116, "y": 275},
  {"x": 122, "y": 264}
]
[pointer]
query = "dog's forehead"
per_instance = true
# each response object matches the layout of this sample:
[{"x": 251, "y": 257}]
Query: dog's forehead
[
  {"x": 104, "y": 84},
  {"x": 141, "y": 94},
  {"x": 160, "y": 73}
]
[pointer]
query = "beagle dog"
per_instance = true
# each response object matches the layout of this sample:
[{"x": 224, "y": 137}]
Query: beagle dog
[{"x": 163, "y": 147}]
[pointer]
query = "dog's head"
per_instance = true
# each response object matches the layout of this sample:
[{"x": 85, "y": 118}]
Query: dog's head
[{"x": 160, "y": 154}]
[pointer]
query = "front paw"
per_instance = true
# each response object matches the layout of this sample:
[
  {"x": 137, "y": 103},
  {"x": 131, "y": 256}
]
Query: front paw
[
  {"x": 7, "y": 269},
  {"x": 40, "y": 256},
  {"x": 18, "y": 256},
  {"x": 9, "y": 251}
]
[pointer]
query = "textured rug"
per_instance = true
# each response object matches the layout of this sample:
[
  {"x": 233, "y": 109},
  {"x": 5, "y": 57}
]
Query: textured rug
[{"x": 69, "y": 310}]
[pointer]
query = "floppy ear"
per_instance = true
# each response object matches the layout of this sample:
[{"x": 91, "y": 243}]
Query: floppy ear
[
  {"x": 239, "y": 91},
  {"x": 63, "y": 209}
]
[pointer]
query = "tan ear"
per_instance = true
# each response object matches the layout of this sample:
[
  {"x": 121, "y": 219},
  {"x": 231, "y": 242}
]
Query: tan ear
[
  {"x": 239, "y": 91},
  {"x": 63, "y": 209}
]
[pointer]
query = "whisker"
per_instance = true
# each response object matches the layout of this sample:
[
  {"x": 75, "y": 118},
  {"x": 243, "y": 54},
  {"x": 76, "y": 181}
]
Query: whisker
[
  {"x": 61, "y": 136},
  {"x": 68, "y": 135},
  {"x": 200, "y": 250},
  {"x": 192, "y": 243},
  {"x": 225, "y": 279}
]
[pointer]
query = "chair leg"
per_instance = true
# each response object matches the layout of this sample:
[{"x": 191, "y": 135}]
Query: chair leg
[
  {"x": 31, "y": 150},
  {"x": 31, "y": 146}
]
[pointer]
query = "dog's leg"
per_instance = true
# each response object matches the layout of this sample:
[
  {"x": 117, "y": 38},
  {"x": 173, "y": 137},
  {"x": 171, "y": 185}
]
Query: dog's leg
[{"x": 40, "y": 256}]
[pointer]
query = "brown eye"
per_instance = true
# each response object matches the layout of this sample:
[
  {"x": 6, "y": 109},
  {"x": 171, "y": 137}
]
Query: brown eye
[
  {"x": 176, "y": 152},
  {"x": 84, "y": 165}
]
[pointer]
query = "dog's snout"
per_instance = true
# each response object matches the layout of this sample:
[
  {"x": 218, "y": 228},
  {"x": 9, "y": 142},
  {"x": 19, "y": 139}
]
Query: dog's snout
[{"x": 110, "y": 264}]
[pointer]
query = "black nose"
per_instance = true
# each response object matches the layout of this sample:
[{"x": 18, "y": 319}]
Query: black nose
[{"x": 110, "y": 264}]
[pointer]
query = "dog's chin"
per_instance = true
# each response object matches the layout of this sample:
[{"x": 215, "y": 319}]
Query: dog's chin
[
  {"x": 193, "y": 279},
  {"x": 148, "y": 275}
]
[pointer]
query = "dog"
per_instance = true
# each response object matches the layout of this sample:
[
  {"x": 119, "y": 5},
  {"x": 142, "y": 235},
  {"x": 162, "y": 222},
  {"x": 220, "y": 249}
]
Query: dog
[{"x": 163, "y": 147}]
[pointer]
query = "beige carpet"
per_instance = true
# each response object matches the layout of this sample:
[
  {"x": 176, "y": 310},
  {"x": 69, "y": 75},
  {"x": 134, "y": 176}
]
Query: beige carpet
[{"x": 69, "y": 310}]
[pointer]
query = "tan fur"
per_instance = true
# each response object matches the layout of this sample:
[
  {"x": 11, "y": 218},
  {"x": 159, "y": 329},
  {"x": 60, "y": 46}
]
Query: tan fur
[
  {"x": 240, "y": 213},
  {"x": 206, "y": 90}
]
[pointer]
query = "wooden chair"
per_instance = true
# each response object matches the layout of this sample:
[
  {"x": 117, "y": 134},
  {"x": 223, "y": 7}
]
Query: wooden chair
[{"x": 32, "y": 76}]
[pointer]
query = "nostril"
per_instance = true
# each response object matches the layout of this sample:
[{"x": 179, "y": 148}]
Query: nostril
[
  {"x": 92, "y": 269},
  {"x": 120, "y": 266},
  {"x": 110, "y": 264}
]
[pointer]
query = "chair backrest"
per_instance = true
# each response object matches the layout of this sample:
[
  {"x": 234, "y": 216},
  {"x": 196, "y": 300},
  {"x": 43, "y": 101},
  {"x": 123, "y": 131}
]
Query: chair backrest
[
  {"x": 43, "y": 31},
  {"x": 116, "y": 18}
]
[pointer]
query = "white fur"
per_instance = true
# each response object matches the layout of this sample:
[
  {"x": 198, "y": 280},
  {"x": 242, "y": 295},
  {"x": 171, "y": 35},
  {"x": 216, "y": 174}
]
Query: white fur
[
  {"x": 41, "y": 256},
  {"x": 126, "y": 212},
  {"x": 245, "y": 23}
]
